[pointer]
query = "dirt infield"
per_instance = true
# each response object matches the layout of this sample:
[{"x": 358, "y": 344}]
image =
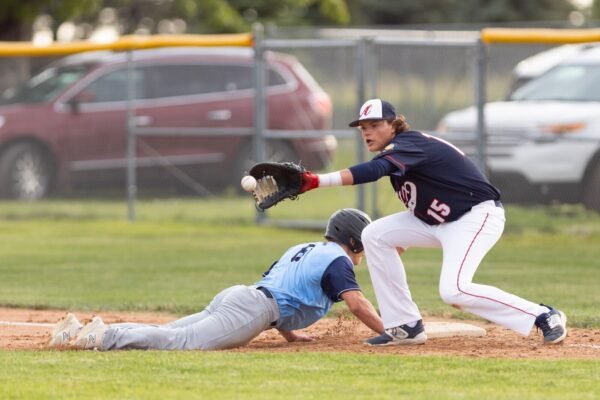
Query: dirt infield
[{"x": 332, "y": 335}]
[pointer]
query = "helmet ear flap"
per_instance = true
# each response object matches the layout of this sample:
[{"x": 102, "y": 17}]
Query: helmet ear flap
[{"x": 354, "y": 245}]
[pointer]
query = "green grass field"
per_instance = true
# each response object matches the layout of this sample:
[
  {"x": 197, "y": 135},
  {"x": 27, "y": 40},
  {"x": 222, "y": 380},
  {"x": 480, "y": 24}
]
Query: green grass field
[
  {"x": 85, "y": 255},
  {"x": 230, "y": 375}
]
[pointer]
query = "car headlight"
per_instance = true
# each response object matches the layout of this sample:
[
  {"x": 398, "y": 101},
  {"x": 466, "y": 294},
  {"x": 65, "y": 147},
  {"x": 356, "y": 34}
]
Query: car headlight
[{"x": 562, "y": 129}]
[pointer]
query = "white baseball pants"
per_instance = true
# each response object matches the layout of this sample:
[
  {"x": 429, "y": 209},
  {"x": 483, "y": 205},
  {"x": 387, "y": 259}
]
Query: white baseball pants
[
  {"x": 464, "y": 243},
  {"x": 233, "y": 318}
]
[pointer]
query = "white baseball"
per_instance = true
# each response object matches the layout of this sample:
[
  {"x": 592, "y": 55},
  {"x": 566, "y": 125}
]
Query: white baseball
[{"x": 248, "y": 183}]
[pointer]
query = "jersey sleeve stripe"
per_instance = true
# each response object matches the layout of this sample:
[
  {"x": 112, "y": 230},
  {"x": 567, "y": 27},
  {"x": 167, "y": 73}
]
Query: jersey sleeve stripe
[
  {"x": 339, "y": 295},
  {"x": 395, "y": 162}
]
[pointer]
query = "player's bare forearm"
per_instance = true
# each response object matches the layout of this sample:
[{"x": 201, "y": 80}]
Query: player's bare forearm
[
  {"x": 292, "y": 336},
  {"x": 347, "y": 178},
  {"x": 362, "y": 308}
]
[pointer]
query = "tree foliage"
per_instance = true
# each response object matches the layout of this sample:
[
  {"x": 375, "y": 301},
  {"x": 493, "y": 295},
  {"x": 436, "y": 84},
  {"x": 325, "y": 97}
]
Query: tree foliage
[
  {"x": 223, "y": 16},
  {"x": 394, "y": 12},
  {"x": 596, "y": 9},
  {"x": 16, "y": 16},
  {"x": 238, "y": 15}
]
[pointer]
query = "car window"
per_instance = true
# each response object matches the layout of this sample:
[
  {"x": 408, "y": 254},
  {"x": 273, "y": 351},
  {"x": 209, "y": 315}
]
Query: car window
[
  {"x": 179, "y": 80},
  {"x": 113, "y": 86},
  {"x": 45, "y": 85},
  {"x": 274, "y": 78},
  {"x": 563, "y": 83},
  {"x": 185, "y": 80}
]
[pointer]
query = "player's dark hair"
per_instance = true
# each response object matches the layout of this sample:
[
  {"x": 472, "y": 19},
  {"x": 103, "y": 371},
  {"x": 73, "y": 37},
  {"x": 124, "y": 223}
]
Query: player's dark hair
[
  {"x": 400, "y": 125},
  {"x": 345, "y": 227}
]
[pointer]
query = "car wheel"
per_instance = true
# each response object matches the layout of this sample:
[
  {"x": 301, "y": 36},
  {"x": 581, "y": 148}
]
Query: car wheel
[
  {"x": 591, "y": 191},
  {"x": 275, "y": 151},
  {"x": 24, "y": 172}
]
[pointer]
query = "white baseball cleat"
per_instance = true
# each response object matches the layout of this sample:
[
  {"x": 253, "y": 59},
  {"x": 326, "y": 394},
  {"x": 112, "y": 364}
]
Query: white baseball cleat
[
  {"x": 91, "y": 335},
  {"x": 64, "y": 331}
]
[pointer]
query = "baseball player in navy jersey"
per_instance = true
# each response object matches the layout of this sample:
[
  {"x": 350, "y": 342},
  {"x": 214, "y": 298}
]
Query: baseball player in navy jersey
[
  {"x": 295, "y": 292},
  {"x": 450, "y": 205}
]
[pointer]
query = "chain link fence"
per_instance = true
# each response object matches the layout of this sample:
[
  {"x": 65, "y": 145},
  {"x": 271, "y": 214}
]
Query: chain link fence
[{"x": 195, "y": 113}]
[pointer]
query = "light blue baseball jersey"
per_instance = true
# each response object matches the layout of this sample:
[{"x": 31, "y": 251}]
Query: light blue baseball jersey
[{"x": 307, "y": 280}]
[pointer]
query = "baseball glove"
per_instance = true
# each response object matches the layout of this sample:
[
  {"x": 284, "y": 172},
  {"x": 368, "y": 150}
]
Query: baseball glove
[{"x": 279, "y": 181}]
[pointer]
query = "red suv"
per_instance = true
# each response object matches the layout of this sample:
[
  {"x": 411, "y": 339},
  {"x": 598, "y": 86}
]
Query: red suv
[{"x": 67, "y": 126}]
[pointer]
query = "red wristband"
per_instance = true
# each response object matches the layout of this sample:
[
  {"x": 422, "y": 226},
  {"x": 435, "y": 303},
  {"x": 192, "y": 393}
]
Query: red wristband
[{"x": 309, "y": 181}]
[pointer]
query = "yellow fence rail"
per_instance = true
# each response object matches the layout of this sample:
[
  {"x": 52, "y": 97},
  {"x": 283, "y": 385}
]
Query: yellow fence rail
[
  {"x": 543, "y": 36},
  {"x": 130, "y": 42}
]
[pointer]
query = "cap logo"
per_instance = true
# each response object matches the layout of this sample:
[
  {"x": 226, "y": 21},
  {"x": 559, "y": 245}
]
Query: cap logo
[
  {"x": 375, "y": 109},
  {"x": 366, "y": 111}
]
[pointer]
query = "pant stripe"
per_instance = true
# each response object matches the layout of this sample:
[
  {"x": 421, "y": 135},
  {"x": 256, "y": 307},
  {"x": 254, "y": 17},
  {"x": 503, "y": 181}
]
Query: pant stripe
[{"x": 463, "y": 263}]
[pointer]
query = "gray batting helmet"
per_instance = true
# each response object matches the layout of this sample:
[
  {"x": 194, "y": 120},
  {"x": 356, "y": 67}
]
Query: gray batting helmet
[{"x": 345, "y": 226}]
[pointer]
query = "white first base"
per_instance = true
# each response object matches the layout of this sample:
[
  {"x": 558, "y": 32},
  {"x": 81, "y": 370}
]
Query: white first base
[{"x": 452, "y": 329}]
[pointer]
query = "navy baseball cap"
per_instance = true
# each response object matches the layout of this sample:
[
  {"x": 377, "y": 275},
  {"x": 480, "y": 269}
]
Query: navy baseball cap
[{"x": 375, "y": 109}]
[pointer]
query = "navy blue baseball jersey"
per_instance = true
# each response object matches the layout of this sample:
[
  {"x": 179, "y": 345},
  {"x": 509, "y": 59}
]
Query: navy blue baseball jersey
[{"x": 434, "y": 179}]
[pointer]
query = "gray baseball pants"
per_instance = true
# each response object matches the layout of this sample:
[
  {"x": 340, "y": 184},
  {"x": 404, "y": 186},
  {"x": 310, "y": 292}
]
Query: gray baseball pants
[{"x": 233, "y": 318}]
